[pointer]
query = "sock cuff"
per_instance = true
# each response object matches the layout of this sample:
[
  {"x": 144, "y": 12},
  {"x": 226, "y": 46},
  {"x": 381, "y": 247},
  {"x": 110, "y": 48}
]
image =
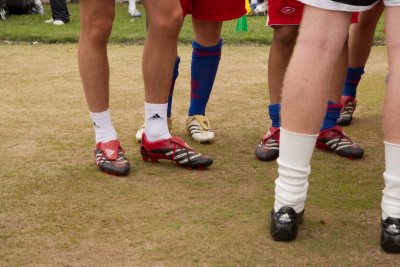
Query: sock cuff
[
  {"x": 156, "y": 107},
  {"x": 198, "y": 47},
  {"x": 298, "y": 134},
  {"x": 394, "y": 145},
  {"x": 100, "y": 115}
]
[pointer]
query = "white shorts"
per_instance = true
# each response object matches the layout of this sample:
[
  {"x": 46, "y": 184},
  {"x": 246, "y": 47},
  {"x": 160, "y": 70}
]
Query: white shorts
[{"x": 348, "y": 5}]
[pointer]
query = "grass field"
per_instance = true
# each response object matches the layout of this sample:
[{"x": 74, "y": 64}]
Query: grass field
[
  {"x": 57, "y": 209},
  {"x": 126, "y": 29}
]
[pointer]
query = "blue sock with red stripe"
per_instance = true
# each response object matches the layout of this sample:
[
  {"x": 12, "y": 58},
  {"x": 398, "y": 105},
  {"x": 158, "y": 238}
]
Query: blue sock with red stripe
[
  {"x": 205, "y": 61},
  {"x": 275, "y": 114},
  {"x": 353, "y": 77},
  {"x": 171, "y": 89},
  {"x": 331, "y": 116}
]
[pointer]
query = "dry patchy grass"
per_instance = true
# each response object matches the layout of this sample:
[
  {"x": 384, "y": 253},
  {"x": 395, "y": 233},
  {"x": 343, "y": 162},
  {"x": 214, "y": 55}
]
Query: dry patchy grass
[{"x": 56, "y": 209}]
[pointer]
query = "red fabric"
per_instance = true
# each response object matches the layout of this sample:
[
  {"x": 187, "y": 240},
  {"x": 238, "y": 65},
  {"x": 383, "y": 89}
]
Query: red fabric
[
  {"x": 110, "y": 148},
  {"x": 289, "y": 12},
  {"x": 214, "y": 10}
]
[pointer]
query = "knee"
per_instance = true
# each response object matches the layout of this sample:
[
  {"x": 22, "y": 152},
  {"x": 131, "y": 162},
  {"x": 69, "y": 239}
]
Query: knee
[
  {"x": 98, "y": 30},
  {"x": 166, "y": 26},
  {"x": 207, "y": 33},
  {"x": 285, "y": 36}
]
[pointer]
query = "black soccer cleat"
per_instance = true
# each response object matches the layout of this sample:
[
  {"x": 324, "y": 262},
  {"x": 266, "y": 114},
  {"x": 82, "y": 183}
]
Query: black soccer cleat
[
  {"x": 285, "y": 224},
  {"x": 174, "y": 149},
  {"x": 346, "y": 114},
  {"x": 390, "y": 235},
  {"x": 334, "y": 139},
  {"x": 110, "y": 158},
  {"x": 268, "y": 147}
]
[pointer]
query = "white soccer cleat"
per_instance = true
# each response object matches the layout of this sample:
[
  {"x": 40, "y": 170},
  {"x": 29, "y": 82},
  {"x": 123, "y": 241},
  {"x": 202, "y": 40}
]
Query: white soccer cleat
[
  {"x": 199, "y": 129},
  {"x": 140, "y": 132},
  {"x": 49, "y": 21}
]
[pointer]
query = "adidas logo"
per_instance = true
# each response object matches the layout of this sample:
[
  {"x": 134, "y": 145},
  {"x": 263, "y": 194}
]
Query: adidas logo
[
  {"x": 285, "y": 218},
  {"x": 155, "y": 117},
  {"x": 109, "y": 152},
  {"x": 393, "y": 229}
]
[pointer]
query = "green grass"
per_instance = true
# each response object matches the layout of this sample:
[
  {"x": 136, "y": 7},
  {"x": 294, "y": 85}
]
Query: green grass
[
  {"x": 30, "y": 28},
  {"x": 57, "y": 209}
]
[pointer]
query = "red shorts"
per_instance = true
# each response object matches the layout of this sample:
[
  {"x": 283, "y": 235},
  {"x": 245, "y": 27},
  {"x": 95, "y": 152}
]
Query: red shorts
[
  {"x": 289, "y": 12},
  {"x": 214, "y": 10}
]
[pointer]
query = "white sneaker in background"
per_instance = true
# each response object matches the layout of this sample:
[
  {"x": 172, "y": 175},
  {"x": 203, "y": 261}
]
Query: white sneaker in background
[
  {"x": 49, "y": 21},
  {"x": 135, "y": 13},
  {"x": 58, "y": 22}
]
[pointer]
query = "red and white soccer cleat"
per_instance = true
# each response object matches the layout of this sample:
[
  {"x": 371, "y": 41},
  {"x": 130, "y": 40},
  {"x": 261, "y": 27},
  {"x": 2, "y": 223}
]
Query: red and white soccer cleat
[
  {"x": 346, "y": 114},
  {"x": 335, "y": 140},
  {"x": 110, "y": 158},
  {"x": 268, "y": 147},
  {"x": 174, "y": 149}
]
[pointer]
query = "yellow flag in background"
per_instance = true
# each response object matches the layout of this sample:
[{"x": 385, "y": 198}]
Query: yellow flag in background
[{"x": 247, "y": 6}]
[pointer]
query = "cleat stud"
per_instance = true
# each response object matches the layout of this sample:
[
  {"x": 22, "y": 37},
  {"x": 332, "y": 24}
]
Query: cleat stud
[{"x": 145, "y": 158}]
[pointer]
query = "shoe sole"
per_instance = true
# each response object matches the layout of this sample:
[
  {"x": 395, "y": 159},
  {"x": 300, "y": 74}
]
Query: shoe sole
[{"x": 112, "y": 173}]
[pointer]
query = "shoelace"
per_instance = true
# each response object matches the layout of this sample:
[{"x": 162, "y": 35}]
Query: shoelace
[
  {"x": 204, "y": 123},
  {"x": 343, "y": 137},
  {"x": 180, "y": 146},
  {"x": 349, "y": 109},
  {"x": 272, "y": 136},
  {"x": 103, "y": 158}
]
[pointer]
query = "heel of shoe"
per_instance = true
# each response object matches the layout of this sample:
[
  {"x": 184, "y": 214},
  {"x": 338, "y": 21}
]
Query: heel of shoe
[{"x": 322, "y": 146}]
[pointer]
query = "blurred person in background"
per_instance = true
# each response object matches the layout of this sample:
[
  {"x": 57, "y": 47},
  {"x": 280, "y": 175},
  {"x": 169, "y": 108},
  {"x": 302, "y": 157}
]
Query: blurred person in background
[
  {"x": 59, "y": 11},
  {"x": 20, "y": 7}
]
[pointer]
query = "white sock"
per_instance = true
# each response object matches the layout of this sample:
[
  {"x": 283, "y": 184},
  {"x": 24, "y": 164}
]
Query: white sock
[
  {"x": 295, "y": 152},
  {"x": 103, "y": 127},
  {"x": 391, "y": 193},
  {"x": 155, "y": 122}
]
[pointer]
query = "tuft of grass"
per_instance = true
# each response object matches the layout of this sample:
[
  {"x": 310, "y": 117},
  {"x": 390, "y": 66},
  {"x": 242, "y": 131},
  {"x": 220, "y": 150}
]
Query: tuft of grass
[
  {"x": 57, "y": 209},
  {"x": 31, "y": 28}
]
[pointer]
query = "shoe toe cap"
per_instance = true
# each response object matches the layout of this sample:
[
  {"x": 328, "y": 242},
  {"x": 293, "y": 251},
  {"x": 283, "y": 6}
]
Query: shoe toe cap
[
  {"x": 355, "y": 152},
  {"x": 203, "y": 137},
  {"x": 266, "y": 154},
  {"x": 390, "y": 243}
]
